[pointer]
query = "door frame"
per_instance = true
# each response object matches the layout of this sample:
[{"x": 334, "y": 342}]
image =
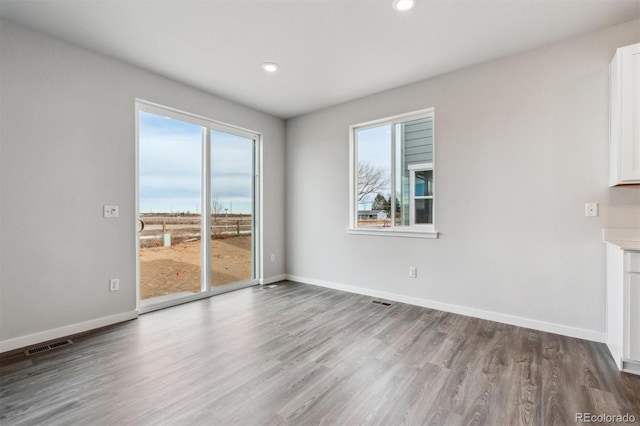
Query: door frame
[{"x": 257, "y": 243}]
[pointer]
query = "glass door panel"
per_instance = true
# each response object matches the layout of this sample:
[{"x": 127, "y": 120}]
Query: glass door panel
[
  {"x": 232, "y": 201},
  {"x": 170, "y": 194}
]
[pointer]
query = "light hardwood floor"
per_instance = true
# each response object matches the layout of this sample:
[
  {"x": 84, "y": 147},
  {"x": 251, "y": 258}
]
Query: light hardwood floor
[{"x": 298, "y": 354}]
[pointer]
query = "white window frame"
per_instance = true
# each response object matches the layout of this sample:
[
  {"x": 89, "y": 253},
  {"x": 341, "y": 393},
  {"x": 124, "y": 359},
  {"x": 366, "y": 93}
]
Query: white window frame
[
  {"x": 413, "y": 168},
  {"x": 413, "y": 230}
]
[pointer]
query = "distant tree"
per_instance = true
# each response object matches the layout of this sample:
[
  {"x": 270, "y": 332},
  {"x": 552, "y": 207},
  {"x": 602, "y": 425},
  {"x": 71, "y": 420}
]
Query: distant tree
[
  {"x": 398, "y": 201},
  {"x": 379, "y": 203},
  {"x": 216, "y": 207},
  {"x": 370, "y": 179}
]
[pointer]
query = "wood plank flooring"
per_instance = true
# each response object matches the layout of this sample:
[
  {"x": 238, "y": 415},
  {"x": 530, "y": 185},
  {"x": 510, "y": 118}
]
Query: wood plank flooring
[{"x": 298, "y": 354}]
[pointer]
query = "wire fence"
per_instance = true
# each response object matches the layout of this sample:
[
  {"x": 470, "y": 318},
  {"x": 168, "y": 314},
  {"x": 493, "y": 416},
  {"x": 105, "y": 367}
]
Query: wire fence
[{"x": 157, "y": 230}]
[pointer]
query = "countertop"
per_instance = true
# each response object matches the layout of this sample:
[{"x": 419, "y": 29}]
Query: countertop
[{"x": 624, "y": 238}]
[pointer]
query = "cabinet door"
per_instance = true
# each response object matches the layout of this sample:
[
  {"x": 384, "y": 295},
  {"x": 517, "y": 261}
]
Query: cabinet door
[
  {"x": 630, "y": 110},
  {"x": 633, "y": 317}
]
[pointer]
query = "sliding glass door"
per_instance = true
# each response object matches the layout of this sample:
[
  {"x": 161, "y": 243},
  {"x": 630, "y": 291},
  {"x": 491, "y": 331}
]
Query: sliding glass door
[
  {"x": 196, "y": 207},
  {"x": 232, "y": 207},
  {"x": 170, "y": 194}
]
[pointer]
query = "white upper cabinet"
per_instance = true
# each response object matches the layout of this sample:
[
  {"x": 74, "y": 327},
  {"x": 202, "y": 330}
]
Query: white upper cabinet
[{"x": 624, "y": 125}]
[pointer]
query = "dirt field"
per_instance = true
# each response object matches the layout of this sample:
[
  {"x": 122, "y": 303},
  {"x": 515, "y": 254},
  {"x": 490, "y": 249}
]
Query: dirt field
[{"x": 165, "y": 270}]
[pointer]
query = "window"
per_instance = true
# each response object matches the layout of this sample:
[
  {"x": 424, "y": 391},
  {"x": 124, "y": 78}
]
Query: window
[
  {"x": 421, "y": 194},
  {"x": 392, "y": 176}
]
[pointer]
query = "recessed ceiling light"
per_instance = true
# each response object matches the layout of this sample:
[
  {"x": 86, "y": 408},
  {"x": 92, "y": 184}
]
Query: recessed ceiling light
[
  {"x": 402, "y": 5},
  {"x": 270, "y": 67}
]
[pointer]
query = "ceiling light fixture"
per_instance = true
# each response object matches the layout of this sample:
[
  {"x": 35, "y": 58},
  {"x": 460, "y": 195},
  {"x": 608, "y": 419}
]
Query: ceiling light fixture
[
  {"x": 270, "y": 67},
  {"x": 402, "y": 5}
]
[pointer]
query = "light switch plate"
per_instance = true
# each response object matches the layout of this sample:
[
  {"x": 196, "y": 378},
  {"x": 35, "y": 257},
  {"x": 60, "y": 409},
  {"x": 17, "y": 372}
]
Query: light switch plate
[
  {"x": 114, "y": 284},
  {"x": 110, "y": 211},
  {"x": 591, "y": 209}
]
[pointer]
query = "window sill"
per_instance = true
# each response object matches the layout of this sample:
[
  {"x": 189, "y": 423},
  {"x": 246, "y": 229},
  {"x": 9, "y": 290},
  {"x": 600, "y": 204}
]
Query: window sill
[{"x": 388, "y": 232}]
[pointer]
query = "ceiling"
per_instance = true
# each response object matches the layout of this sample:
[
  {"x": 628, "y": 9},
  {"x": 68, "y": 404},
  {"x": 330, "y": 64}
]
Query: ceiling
[{"x": 329, "y": 51}]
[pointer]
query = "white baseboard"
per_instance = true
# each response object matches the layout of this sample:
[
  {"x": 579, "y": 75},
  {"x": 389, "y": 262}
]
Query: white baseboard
[
  {"x": 273, "y": 279},
  {"x": 549, "y": 327},
  {"x": 631, "y": 367},
  {"x": 56, "y": 333}
]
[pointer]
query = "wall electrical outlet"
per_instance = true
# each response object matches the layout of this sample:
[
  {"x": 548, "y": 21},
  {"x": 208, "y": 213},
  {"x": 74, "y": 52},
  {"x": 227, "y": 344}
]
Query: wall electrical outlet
[
  {"x": 591, "y": 209},
  {"x": 110, "y": 211},
  {"x": 413, "y": 272},
  {"x": 114, "y": 284},
  {"x": 273, "y": 257}
]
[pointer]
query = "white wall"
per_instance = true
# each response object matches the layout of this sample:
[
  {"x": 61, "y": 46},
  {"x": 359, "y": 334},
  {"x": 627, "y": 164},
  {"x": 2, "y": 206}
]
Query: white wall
[
  {"x": 67, "y": 137},
  {"x": 521, "y": 145}
]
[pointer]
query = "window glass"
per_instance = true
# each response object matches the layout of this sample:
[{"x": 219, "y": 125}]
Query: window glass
[
  {"x": 424, "y": 211},
  {"x": 374, "y": 176},
  {"x": 424, "y": 183}
]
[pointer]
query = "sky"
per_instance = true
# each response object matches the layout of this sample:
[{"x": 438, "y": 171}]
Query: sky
[
  {"x": 171, "y": 167},
  {"x": 374, "y": 147}
]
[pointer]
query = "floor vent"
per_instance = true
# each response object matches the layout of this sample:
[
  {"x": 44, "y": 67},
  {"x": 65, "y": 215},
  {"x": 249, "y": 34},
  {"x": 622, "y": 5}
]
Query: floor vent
[
  {"x": 378, "y": 302},
  {"x": 49, "y": 347},
  {"x": 264, "y": 287}
]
